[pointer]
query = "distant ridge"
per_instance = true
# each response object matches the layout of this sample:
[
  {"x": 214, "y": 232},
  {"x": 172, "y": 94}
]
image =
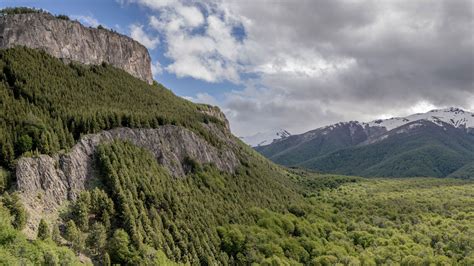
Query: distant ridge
[
  {"x": 266, "y": 138},
  {"x": 436, "y": 143}
]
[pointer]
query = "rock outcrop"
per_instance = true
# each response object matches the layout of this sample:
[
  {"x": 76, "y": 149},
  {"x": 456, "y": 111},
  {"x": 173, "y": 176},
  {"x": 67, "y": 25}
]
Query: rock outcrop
[
  {"x": 215, "y": 112},
  {"x": 46, "y": 182},
  {"x": 71, "y": 41}
]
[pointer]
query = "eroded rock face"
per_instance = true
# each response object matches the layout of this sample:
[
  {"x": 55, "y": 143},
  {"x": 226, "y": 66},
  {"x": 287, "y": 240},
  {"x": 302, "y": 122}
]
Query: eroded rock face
[
  {"x": 74, "y": 42},
  {"x": 46, "y": 182}
]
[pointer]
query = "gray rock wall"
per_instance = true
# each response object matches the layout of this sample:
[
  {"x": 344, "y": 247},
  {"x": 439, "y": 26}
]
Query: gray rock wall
[
  {"x": 74, "y": 42},
  {"x": 46, "y": 182}
]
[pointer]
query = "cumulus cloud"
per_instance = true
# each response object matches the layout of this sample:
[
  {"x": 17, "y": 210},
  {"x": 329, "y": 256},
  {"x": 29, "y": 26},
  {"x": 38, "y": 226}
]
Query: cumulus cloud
[
  {"x": 137, "y": 33},
  {"x": 87, "y": 20},
  {"x": 337, "y": 60},
  {"x": 156, "y": 68},
  {"x": 199, "y": 39},
  {"x": 314, "y": 63}
]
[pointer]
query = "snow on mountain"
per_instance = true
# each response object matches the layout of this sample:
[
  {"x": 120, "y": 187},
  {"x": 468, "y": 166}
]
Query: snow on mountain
[
  {"x": 453, "y": 116},
  {"x": 265, "y": 138}
]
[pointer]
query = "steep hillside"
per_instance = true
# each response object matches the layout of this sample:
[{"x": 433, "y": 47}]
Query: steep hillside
[
  {"x": 98, "y": 166},
  {"x": 436, "y": 143},
  {"x": 125, "y": 172},
  {"x": 298, "y": 148},
  {"x": 46, "y": 107},
  {"x": 422, "y": 149}
]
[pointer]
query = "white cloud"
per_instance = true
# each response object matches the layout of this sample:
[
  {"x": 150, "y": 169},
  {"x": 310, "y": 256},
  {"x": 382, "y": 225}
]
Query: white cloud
[
  {"x": 199, "y": 46},
  {"x": 203, "y": 98},
  {"x": 137, "y": 33},
  {"x": 318, "y": 62},
  {"x": 156, "y": 68},
  {"x": 87, "y": 20},
  {"x": 191, "y": 15}
]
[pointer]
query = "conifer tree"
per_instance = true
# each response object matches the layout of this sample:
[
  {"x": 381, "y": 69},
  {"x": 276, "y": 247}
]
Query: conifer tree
[{"x": 43, "y": 230}]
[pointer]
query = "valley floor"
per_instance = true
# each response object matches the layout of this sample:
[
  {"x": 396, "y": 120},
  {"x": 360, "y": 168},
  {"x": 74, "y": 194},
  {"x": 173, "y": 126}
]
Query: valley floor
[{"x": 412, "y": 221}]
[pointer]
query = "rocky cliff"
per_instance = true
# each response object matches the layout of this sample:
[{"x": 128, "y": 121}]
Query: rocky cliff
[
  {"x": 46, "y": 182},
  {"x": 71, "y": 41}
]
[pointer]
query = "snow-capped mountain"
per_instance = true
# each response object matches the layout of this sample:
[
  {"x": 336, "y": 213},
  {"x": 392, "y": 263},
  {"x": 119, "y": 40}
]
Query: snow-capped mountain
[
  {"x": 267, "y": 137},
  {"x": 452, "y": 116},
  {"x": 436, "y": 143}
]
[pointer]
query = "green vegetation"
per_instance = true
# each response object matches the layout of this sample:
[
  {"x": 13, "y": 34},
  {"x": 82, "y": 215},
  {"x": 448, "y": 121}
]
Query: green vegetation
[
  {"x": 45, "y": 105},
  {"x": 15, "y": 249},
  {"x": 20, "y": 10},
  {"x": 256, "y": 216},
  {"x": 264, "y": 214},
  {"x": 28, "y": 10},
  {"x": 145, "y": 210},
  {"x": 429, "y": 151}
]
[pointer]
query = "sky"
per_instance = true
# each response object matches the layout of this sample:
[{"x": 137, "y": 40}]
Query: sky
[{"x": 299, "y": 64}]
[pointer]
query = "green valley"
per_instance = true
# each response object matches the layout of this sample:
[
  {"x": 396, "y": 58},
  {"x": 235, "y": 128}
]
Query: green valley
[{"x": 134, "y": 210}]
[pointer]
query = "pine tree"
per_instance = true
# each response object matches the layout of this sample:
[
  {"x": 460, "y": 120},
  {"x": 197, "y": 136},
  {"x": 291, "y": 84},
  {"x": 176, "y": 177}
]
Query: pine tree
[
  {"x": 43, "y": 230},
  {"x": 56, "y": 234},
  {"x": 119, "y": 246},
  {"x": 97, "y": 238}
]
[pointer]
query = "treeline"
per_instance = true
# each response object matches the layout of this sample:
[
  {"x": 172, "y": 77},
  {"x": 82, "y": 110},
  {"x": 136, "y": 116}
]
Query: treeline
[
  {"x": 20, "y": 10},
  {"x": 46, "y": 106},
  {"x": 28, "y": 10},
  {"x": 141, "y": 206},
  {"x": 143, "y": 214}
]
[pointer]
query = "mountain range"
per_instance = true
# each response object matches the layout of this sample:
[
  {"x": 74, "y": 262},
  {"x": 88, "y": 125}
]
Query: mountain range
[
  {"x": 100, "y": 165},
  {"x": 437, "y": 143},
  {"x": 266, "y": 137}
]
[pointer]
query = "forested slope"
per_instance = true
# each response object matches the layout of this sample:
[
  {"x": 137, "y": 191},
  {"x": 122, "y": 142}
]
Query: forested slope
[
  {"x": 426, "y": 150},
  {"x": 136, "y": 212},
  {"x": 46, "y": 106}
]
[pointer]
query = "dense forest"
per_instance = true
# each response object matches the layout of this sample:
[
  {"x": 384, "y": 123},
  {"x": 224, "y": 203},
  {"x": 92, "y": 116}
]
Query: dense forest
[
  {"x": 263, "y": 214},
  {"x": 211, "y": 217},
  {"x": 46, "y": 106}
]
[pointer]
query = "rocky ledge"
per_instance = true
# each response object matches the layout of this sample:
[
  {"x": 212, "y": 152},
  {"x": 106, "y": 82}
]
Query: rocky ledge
[
  {"x": 46, "y": 182},
  {"x": 71, "y": 41}
]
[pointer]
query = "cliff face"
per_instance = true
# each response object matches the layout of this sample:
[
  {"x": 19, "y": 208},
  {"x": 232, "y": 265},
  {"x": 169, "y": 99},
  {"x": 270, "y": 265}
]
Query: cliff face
[
  {"x": 46, "y": 182},
  {"x": 72, "y": 41}
]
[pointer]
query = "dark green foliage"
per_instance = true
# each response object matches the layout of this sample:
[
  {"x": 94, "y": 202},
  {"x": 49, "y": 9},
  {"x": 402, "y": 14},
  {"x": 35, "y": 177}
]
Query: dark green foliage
[
  {"x": 16, "y": 249},
  {"x": 177, "y": 216},
  {"x": 97, "y": 238},
  {"x": 63, "y": 17},
  {"x": 43, "y": 230},
  {"x": 255, "y": 217},
  {"x": 262, "y": 214},
  {"x": 13, "y": 204},
  {"x": 74, "y": 236},
  {"x": 4, "y": 179},
  {"x": 20, "y": 10},
  {"x": 465, "y": 172},
  {"x": 100, "y": 27},
  {"x": 119, "y": 247},
  {"x": 24, "y": 144},
  {"x": 56, "y": 234},
  {"x": 46, "y": 106},
  {"x": 429, "y": 150}
]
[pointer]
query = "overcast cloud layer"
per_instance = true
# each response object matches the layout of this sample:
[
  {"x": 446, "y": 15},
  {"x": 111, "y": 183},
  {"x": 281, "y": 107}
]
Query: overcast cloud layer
[{"x": 305, "y": 64}]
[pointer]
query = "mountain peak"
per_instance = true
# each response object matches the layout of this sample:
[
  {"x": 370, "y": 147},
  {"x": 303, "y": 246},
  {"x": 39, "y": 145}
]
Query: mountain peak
[
  {"x": 267, "y": 137},
  {"x": 454, "y": 116}
]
